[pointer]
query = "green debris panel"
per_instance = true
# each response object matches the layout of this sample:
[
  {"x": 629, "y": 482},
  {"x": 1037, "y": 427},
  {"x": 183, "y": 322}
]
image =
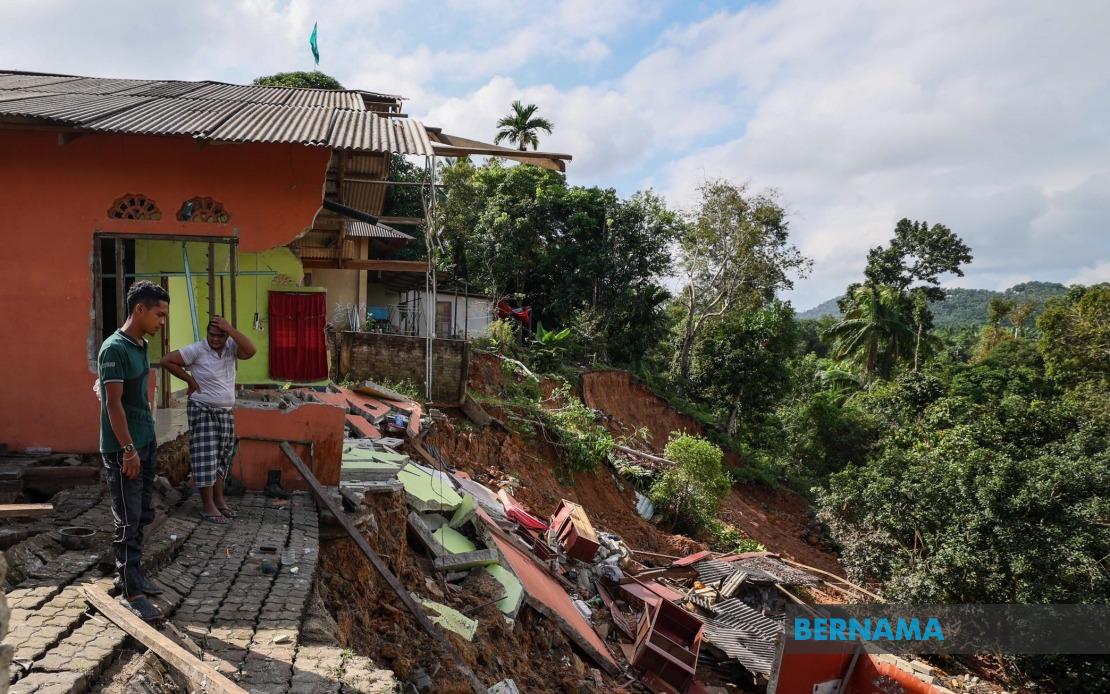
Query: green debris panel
[
  {"x": 451, "y": 619},
  {"x": 464, "y": 512},
  {"x": 453, "y": 541},
  {"x": 514, "y": 592},
  {"x": 427, "y": 493}
]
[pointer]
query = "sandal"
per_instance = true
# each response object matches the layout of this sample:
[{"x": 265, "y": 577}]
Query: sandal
[
  {"x": 228, "y": 513},
  {"x": 213, "y": 518}
]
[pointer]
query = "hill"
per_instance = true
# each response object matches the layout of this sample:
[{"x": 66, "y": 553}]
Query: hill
[{"x": 965, "y": 307}]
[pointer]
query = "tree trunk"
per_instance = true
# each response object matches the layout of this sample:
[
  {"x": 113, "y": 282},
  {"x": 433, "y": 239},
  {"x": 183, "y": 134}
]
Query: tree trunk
[
  {"x": 687, "y": 341},
  {"x": 734, "y": 414},
  {"x": 917, "y": 349}
]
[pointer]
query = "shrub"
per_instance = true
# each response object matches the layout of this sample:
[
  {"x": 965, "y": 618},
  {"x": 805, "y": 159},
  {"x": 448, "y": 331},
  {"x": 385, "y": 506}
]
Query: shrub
[{"x": 691, "y": 491}]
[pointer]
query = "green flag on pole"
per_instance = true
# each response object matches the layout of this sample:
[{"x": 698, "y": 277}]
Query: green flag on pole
[{"x": 312, "y": 43}]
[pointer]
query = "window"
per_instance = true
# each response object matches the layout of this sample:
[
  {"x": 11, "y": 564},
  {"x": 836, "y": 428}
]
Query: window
[{"x": 134, "y": 206}]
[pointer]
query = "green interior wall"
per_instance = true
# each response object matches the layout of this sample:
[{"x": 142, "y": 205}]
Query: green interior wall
[{"x": 284, "y": 273}]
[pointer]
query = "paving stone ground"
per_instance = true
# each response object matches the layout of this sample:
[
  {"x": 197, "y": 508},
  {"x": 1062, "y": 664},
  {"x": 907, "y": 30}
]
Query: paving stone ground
[{"x": 239, "y": 591}]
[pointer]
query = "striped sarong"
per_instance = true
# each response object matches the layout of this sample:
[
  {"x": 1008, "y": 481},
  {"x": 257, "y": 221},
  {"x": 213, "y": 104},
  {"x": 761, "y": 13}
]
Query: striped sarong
[{"x": 211, "y": 442}]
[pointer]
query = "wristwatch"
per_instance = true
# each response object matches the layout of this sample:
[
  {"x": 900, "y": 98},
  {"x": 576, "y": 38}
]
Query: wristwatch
[{"x": 129, "y": 448}]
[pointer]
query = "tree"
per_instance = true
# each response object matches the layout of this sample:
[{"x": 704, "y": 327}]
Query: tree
[
  {"x": 741, "y": 362},
  {"x": 1020, "y": 315},
  {"x": 575, "y": 254},
  {"x": 314, "y": 79},
  {"x": 521, "y": 125},
  {"x": 691, "y": 491},
  {"x": 735, "y": 246},
  {"x": 873, "y": 333},
  {"x": 1075, "y": 335},
  {"x": 912, "y": 264}
]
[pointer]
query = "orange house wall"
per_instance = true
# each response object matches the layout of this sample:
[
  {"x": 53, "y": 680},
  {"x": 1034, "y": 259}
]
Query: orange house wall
[{"x": 54, "y": 197}]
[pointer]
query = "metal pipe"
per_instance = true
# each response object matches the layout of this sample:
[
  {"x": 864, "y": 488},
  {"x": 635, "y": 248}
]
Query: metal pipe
[
  {"x": 137, "y": 275},
  {"x": 189, "y": 286},
  {"x": 211, "y": 281},
  {"x": 235, "y": 281},
  {"x": 121, "y": 296}
]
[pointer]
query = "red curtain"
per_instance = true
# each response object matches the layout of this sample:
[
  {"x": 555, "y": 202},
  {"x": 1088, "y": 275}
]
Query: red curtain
[{"x": 298, "y": 350}]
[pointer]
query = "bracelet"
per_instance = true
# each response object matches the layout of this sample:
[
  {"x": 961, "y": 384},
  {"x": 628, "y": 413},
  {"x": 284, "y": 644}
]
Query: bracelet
[{"x": 130, "y": 454}]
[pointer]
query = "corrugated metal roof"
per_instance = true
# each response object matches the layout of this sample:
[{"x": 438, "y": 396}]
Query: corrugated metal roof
[
  {"x": 273, "y": 123},
  {"x": 211, "y": 110},
  {"x": 360, "y": 229},
  {"x": 170, "y": 117},
  {"x": 70, "y": 108},
  {"x": 367, "y": 131}
]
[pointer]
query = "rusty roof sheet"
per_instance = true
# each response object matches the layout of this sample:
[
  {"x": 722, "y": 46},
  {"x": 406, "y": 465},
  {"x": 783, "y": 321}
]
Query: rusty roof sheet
[
  {"x": 212, "y": 110},
  {"x": 779, "y": 571}
]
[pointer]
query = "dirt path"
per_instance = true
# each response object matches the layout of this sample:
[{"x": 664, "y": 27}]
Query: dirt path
[{"x": 776, "y": 518}]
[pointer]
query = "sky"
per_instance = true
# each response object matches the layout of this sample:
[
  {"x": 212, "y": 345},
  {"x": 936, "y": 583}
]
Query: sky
[{"x": 989, "y": 116}]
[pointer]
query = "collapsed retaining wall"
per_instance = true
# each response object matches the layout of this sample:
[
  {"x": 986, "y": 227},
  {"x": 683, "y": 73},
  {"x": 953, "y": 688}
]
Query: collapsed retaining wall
[{"x": 375, "y": 356}]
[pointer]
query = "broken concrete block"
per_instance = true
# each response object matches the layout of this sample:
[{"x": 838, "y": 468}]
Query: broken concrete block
[
  {"x": 453, "y": 541},
  {"x": 418, "y": 526},
  {"x": 514, "y": 592},
  {"x": 465, "y": 512},
  {"x": 507, "y": 686},
  {"x": 466, "y": 560},
  {"x": 451, "y": 619},
  {"x": 427, "y": 493}
]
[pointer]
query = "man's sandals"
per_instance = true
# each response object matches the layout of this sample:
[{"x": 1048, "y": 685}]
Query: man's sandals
[{"x": 213, "y": 518}]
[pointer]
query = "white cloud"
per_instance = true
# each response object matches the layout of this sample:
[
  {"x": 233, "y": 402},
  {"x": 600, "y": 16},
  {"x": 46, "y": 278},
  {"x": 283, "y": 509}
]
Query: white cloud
[
  {"x": 985, "y": 115},
  {"x": 1094, "y": 274}
]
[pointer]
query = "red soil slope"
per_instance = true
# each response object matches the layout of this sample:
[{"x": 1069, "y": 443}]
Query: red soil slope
[{"x": 777, "y": 518}]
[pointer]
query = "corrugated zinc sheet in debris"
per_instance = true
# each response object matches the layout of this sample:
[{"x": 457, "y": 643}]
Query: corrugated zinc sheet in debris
[
  {"x": 735, "y": 613},
  {"x": 713, "y": 570},
  {"x": 755, "y": 653},
  {"x": 781, "y": 572}
]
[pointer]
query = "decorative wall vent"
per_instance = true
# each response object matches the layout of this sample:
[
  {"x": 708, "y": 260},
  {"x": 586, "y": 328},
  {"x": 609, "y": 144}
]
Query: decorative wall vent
[
  {"x": 134, "y": 206},
  {"x": 204, "y": 211}
]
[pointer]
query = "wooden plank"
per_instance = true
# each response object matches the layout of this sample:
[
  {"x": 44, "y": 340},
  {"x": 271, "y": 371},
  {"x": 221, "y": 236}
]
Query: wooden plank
[
  {"x": 402, "y": 220},
  {"x": 415, "y": 266},
  {"x": 383, "y": 570},
  {"x": 205, "y": 677},
  {"x": 25, "y": 510}
]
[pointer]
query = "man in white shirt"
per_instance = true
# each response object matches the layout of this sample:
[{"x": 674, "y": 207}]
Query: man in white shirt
[{"x": 208, "y": 367}]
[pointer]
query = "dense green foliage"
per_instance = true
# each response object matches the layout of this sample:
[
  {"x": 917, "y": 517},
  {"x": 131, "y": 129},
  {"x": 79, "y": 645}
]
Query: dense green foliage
[
  {"x": 315, "y": 80},
  {"x": 581, "y": 257},
  {"x": 690, "y": 492}
]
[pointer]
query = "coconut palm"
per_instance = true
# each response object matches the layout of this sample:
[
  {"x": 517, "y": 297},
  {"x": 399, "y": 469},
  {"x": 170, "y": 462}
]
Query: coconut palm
[
  {"x": 873, "y": 332},
  {"x": 520, "y": 126}
]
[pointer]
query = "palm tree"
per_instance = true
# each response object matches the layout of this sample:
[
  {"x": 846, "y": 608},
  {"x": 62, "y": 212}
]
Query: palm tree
[
  {"x": 521, "y": 125},
  {"x": 873, "y": 332}
]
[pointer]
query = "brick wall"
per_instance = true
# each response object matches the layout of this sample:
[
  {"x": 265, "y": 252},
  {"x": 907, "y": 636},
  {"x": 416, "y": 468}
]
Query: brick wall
[{"x": 362, "y": 356}]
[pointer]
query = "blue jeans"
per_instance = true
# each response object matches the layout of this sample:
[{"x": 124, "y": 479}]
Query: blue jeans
[{"x": 132, "y": 511}]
